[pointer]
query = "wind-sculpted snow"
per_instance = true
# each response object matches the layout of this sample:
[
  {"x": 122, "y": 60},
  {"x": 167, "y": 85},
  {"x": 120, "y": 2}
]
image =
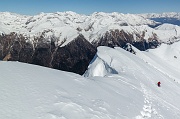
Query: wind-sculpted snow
[{"x": 118, "y": 85}]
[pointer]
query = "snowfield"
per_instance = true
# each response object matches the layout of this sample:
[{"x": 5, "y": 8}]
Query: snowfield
[{"x": 117, "y": 85}]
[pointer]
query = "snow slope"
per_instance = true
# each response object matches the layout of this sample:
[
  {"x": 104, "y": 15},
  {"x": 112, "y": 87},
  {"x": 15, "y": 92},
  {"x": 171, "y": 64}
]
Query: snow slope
[
  {"x": 117, "y": 85},
  {"x": 49, "y": 94},
  {"x": 142, "y": 71}
]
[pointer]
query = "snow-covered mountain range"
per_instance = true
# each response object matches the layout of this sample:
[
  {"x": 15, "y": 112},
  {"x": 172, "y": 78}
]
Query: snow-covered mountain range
[
  {"x": 49, "y": 39},
  {"x": 117, "y": 85},
  {"x": 162, "y": 15},
  {"x": 68, "y": 25}
]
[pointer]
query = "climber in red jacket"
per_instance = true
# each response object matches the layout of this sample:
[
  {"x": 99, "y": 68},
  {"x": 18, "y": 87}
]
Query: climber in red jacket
[{"x": 159, "y": 84}]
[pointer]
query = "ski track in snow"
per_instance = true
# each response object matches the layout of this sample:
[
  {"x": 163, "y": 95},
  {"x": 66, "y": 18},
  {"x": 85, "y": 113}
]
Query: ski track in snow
[{"x": 148, "y": 110}]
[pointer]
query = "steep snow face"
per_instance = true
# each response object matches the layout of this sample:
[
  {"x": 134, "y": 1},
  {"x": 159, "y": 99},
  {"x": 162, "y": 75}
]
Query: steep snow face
[{"x": 118, "y": 85}]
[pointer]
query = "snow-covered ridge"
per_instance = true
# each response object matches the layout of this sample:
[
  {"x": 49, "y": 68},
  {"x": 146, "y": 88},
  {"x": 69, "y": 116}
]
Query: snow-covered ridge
[{"x": 162, "y": 15}]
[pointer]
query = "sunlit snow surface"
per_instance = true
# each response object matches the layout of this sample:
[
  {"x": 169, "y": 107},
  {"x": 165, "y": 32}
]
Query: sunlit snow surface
[{"x": 117, "y": 85}]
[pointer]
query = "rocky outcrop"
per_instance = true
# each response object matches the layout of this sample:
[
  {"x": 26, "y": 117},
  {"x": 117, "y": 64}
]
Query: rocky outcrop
[
  {"x": 128, "y": 47},
  {"x": 74, "y": 57},
  {"x": 114, "y": 38},
  {"x": 118, "y": 38}
]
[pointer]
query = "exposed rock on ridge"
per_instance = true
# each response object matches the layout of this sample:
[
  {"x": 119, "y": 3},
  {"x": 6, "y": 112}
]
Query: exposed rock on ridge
[{"x": 116, "y": 38}]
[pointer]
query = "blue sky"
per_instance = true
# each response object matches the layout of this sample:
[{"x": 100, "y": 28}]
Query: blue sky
[{"x": 32, "y": 7}]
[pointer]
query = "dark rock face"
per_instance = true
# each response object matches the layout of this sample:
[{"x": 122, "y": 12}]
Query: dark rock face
[
  {"x": 42, "y": 55},
  {"x": 6, "y": 41},
  {"x": 26, "y": 53},
  {"x": 120, "y": 39},
  {"x": 144, "y": 45},
  {"x": 115, "y": 38},
  {"x": 74, "y": 57},
  {"x": 16, "y": 47}
]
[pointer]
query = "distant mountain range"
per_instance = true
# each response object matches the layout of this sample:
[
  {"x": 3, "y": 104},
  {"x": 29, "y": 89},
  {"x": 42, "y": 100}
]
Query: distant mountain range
[
  {"x": 68, "y": 41},
  {"x": 172, "y": 18}
]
